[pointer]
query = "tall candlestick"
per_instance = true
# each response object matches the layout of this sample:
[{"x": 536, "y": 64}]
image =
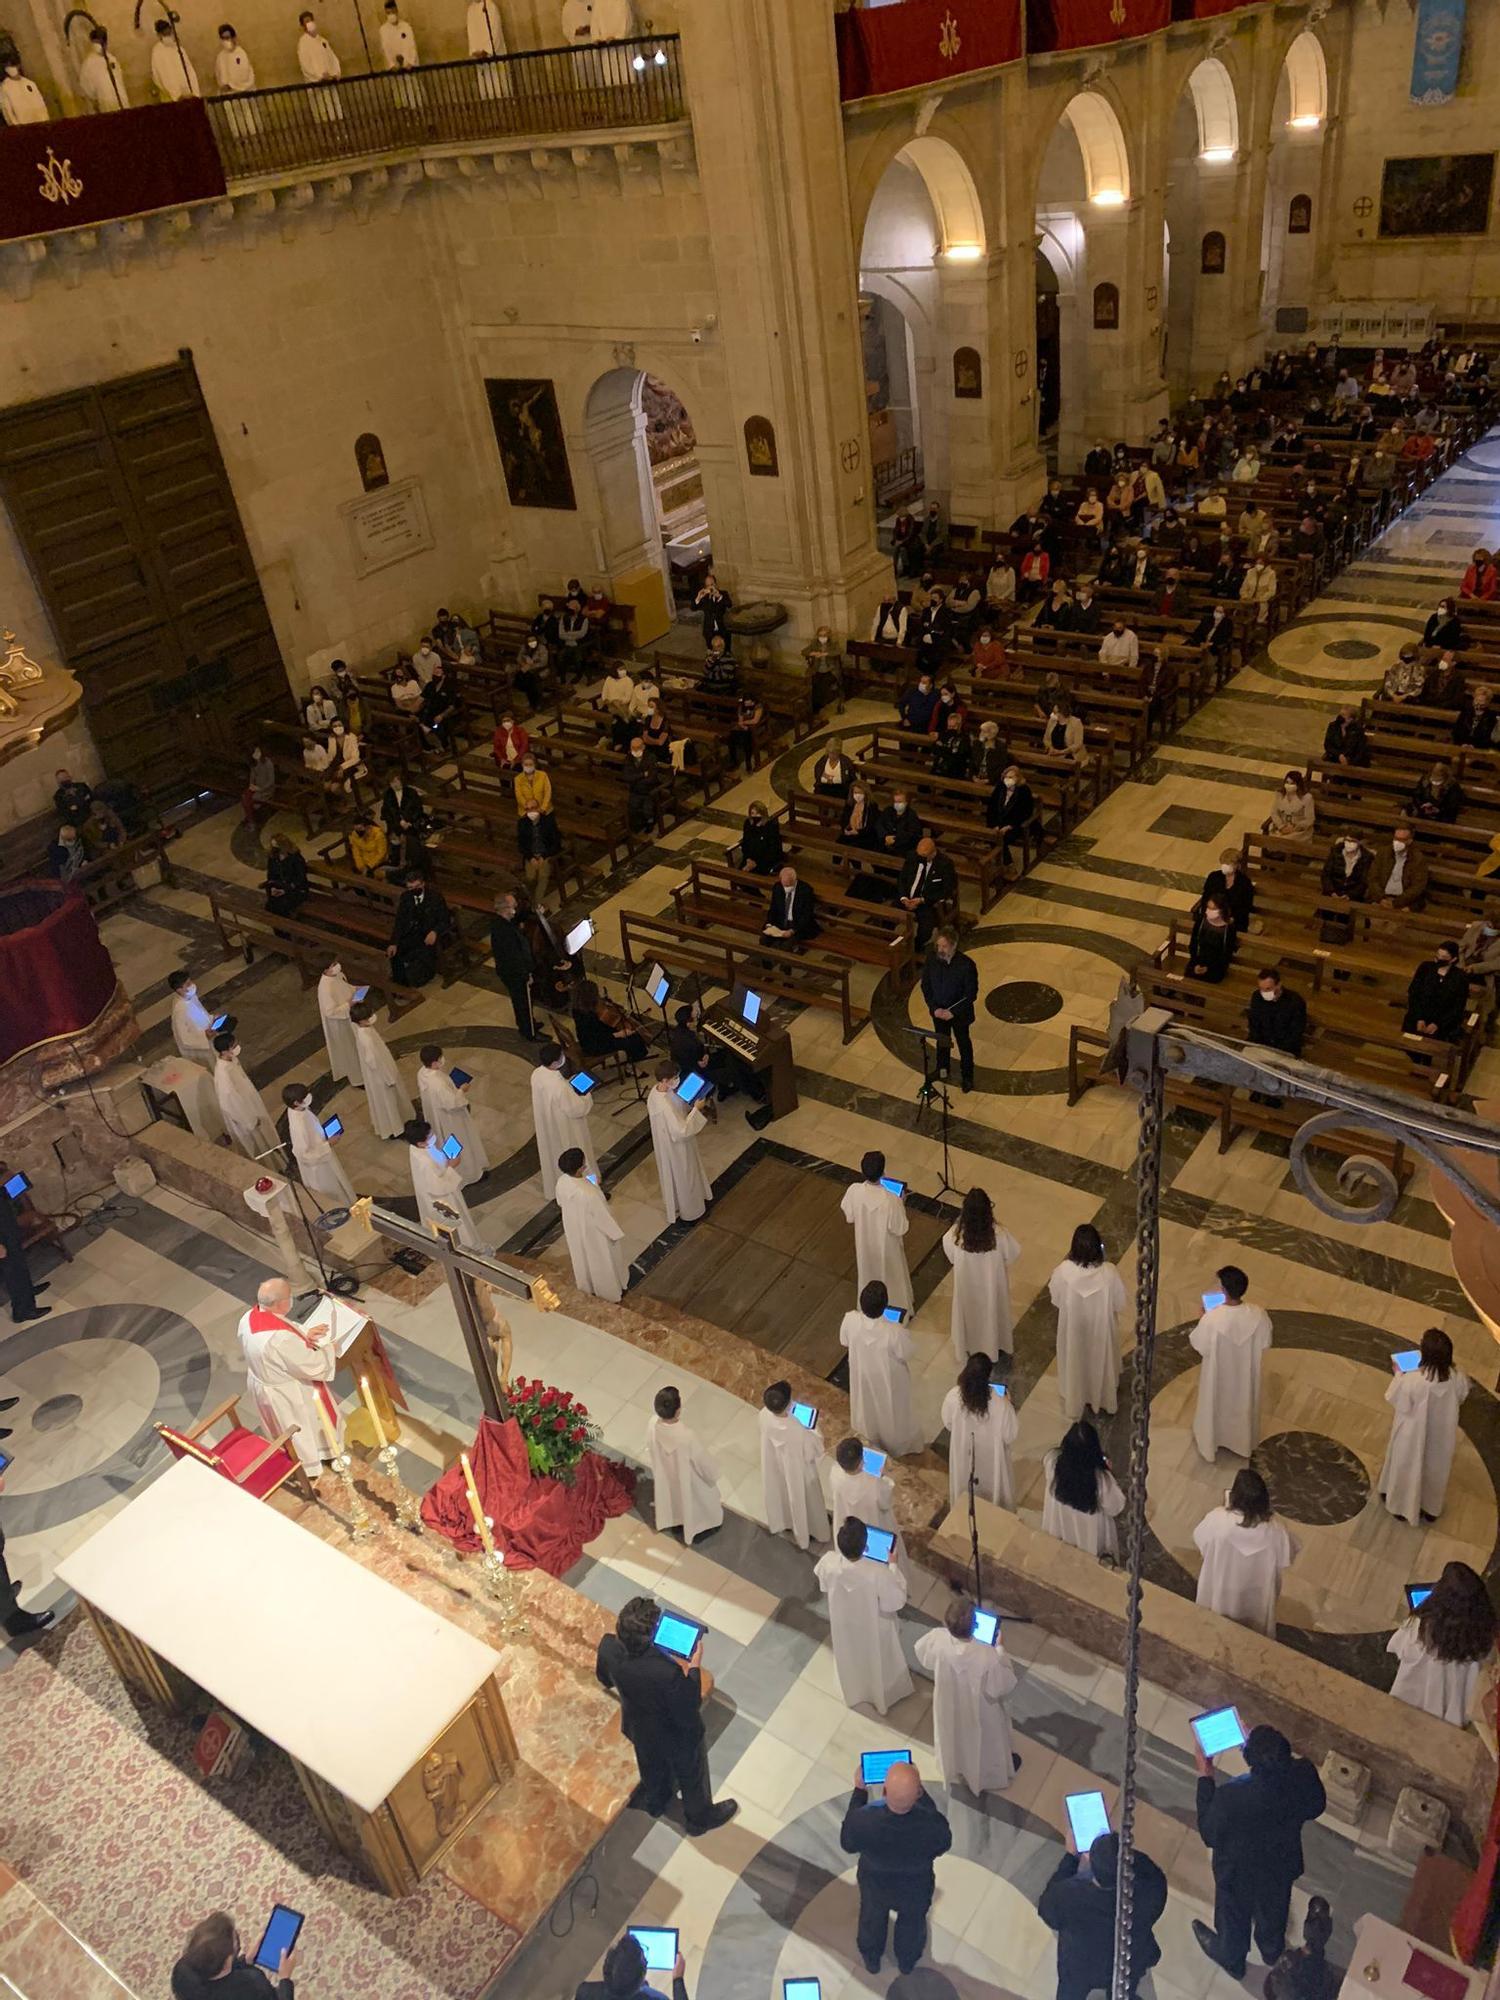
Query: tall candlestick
[
  {"x": 476, "y": 1507},
  {"x": 365, "y": 1391},
  {"x": 330, "y": 1428}
]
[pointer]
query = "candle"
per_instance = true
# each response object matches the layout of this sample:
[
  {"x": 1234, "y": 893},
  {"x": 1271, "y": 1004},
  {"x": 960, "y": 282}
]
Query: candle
[
  {"x": 366, "y": 1392},
  {"x": 476, "y": 1507},
  {"x": 335, "y": 1450}
]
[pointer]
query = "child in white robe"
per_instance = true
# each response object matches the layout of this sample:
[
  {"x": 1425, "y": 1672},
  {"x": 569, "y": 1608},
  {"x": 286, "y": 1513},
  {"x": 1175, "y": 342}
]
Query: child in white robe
[
  {"x": 445, "y": 1106},
  {"x": 868, "y": 1496},
  {"x": 434, "y": 1181},
  {"x": 192, "y": 1024},
  {"x": 1089, "y": 1297},
  {"x": 686, "y": 1189},
  {"x": 1081, "y": 1498},
  {"x": 880, "y": 1352},
  {"x": 1232, "y": 1338},
  {"x": 982, "y": 1425},
  {"x": 684, "y": 1478},
  {"x": 864, "y": 1605},
  {"x": 335, "y": 998},
  {"x": 1424, "y": 1430},
  {"x": 1245, "y": 1549},
  {"x": 878, "y": 1218},
  {"x": 593, "y": 1237},
  {"x": 970, "y": 1682},
  {"x": 560, "y": 1116},
  {"x": 1444, "y": 1646},
  {"x": 789, "y": 1459},
  {"x": 241, "y": 1105},
  {"x": 981, "y": 1253},
  {"x": 387, "y": 1099},
  {"x": 322, "y": 1175}
]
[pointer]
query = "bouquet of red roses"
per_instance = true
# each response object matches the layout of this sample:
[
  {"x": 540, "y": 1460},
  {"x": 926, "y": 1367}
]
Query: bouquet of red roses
[{"x": 557, "y": 1429}]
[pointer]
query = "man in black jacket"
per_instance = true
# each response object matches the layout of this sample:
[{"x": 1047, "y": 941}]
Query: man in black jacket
[
  {"x": 624, "y": 1970},
  {"x": 661, "y": 1717},
  {"x": 423, "y": 920},
  {"x": 760, "y": 841},
  {"x": 514, "y": 964},
  {"x": 1278, "y": 1018},
  {"x": 1253, "y": 1826},
  {"x": 898, "y": 828},
  {"x": 928, "y": 883},
  {"x": 1437, "y": 996},
  {"x": 897, "y": 1843},
  {"x": 792, "y": 914},
  {"x": 1079, "y": 1904},
  {"x": 950, "y": 986}
]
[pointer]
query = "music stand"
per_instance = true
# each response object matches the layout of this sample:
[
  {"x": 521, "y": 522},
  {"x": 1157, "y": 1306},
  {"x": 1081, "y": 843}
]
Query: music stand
[{"x": 935, "y": 1091}]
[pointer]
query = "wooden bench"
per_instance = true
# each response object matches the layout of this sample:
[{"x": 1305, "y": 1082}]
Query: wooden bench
[
  {"x": 244, "y": 926},
  {"x": 875, "y": 934},
  {"x": 802, "y": 977}
]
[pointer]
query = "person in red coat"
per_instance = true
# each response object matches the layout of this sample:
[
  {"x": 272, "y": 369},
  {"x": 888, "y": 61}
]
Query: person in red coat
[{"x": 1481, "y": 578}]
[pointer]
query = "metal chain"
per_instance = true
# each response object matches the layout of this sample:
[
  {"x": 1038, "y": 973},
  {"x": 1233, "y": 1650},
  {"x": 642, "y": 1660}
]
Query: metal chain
[{"x": 1147, "y": 1249}]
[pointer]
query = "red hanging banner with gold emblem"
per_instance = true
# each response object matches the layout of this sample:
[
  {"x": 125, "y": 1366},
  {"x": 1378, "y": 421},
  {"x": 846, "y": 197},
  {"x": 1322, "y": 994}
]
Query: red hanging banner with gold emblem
[
  {"x": 922, "y": 41},
  {"x": 74, "y": 171},
  {"x": 1201, "y": 10},
  {"x": 1082, "y": 24}
]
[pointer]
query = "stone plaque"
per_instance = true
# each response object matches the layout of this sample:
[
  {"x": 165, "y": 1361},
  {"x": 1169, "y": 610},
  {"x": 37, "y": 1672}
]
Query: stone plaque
[
  {"x": 1107, "y": 308},
  {"x": 761, "y": 455},
  {"x": 387, "y": 526}
]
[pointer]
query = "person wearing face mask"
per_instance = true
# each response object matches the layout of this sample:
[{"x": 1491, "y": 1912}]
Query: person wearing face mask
[
  {"x": 859, "y": 823},
  {"x": 335, "y": 998},
  {"x": 173, "y": 77},
  {"x": 446, "y": 1107},
  {"x": 1398, "y": 874},
  {"x": 1277, "y": 1017},
  {"x": 952, "y": 752},
  {"x": 833, "y": 774},
  {"x": 1436, "y": 797},
  {"x": 1445, "y": 686},
  {"x": 100, "y": 77},
  {"x": 422, "y": 923},
  {"x": 1344, "y": 740},
  {"x": 312, "y": 1150},
  {"x": 386, "y": 1097},
  {"x": 1215, "y": 630},
  {"x": 917, "y": 706},
  {"x": 1438, "y": 996},
  {"x": 1259, "y": 589},
  {"x": 1011, "y": 810},
  {"x": 1212, "y": 942},
  {"x": 1119, "y": 647},
  {"x": 990, "y": 755},
  {"x": 898, "y": 828},
  {"x": 1405, "y": 675},
  {"x": 404, "y": 816},
  {"x": 1346, "y": 871},
  {"x": 1444, "y": 629},
  {"x": 21, "y": 103},
  {"x": 888, "y": 627},
  {"x": 241, "y": 1105},
  {"x": 192, "y": 1024},
  {"x": 1481, "y": 578},
  {"x": 286, "y": 878},
  {"x": 927, "y": 887},
  {"x": 1477, "y": 720},
  {"x": 791, "y": 914},
  {"x": 540, "y": 844},
  {"x": 319, "y": 64},
  {"x": 1231, "y": 883},
  {"x": 531, "y": 663},
  {"x": 950, "y": 986},
  {"x": 760, "y": 841},
  {"x": 437, "y": 1188},
  {"x": 1479, "y": 951}
]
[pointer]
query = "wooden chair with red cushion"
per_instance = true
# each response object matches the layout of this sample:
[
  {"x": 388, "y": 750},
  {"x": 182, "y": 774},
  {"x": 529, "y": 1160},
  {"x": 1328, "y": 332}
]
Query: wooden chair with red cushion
[{"x": 257, "y": 1465}]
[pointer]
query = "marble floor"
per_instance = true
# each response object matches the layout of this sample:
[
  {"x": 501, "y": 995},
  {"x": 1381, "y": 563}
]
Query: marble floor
[{"x": 144, "y": 1330}]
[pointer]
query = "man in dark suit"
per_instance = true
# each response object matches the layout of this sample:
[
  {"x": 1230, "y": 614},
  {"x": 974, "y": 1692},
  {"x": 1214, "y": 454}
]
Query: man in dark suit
[
  {"x": 661, "y": 1717},
  {"x": 514, "y": 964},
  {"x": 1437, "y": 996},
  {"x": 928, "y": 884},
  {"x": 625, "y": 1978},
  {"x": 897, "y": 1841},
  {"x": 950, "y": 986},
  {"x": 792, "y": 917},
  {"x": 404, "y": 816},
  {"x": 1253, "y": 1826},
  {"x": 1277, "y": 1016},
  {"x": 423, "y": 920},
  {"x": 1079, "y": 1904},
  {"x": 898, "y": 829}
]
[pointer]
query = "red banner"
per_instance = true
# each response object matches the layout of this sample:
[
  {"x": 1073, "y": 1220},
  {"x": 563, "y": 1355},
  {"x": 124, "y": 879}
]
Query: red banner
[
  {"x": 1082, "y": 24},
  {"x": 74, "y": 171},
  {"x": 1202, "y": 10},
  {"x": 922, "y": 41}
]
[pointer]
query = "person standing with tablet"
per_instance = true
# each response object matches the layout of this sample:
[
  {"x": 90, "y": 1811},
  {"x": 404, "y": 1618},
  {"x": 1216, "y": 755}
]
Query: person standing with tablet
[
  {"x": 686, "y": 1189},
  {"x": 897, "y": 1839},
  {"x": 560, "y": 1114},
  {"x": 1232, "y": 1338},
  {"x": 1253, "y": 1826},
  {"x": 627, "y": 1975},
  {"x": 1424, "y": 1402},
  {"x": 214, "y": 1966},
  {"x": 661, "y": 1717},
  {"x": 880, "y": 1350},
  {"x": 1245, "y": 1549},
  {"x": 864, "y": 1602},
  {"x": 971, "y": 1677},
  {"x": 445, "y": 1106},
  {"x": 1079, "y": 1904},
  {"x": 878, "y": 1218},
  {"x": 594, "y": 1239}
]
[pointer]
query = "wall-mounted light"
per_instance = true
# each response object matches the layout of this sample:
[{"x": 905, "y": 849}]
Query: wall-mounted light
[
  {"x": 1217, "y": 155},
  {"x": 1109, "y": 198},
  {"x": 660, "y": 59},
  {"x": 638, "y": 63},
  {"x": 964, "y": 253},
  {"x": 1305, "y": 121}
]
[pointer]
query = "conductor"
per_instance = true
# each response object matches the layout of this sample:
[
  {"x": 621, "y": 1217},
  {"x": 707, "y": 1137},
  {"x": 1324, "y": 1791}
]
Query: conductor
[
  {"x": 950, "y": 986},
  {"x": 661, "y": 1717}
]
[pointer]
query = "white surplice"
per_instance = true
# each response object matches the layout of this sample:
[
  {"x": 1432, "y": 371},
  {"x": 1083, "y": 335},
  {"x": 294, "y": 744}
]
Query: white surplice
[
  {"x": 869, "y": 1497},
  {"x": 486, "y": 31},
  {"x": 879, "y": 1219},
  {"x": 319, "y": 64},
  {"x": 983, "y": 1441},
  {"x": 399, "y": 47},
  {"x": 789, "y": 1460},
  {"x": 172, "y": 73},
  {"x": 445, "y": 1106},
  {"x": 981, "y": 1322},
  {"x": 282, "y": 1373},
  {"x": 1444, "y": 1688},
  {"x": 234, "y": 73},
  {"x": 864, "y": 1600},
  {"x": 102, "y": 81},
  {"x": 880, "y": 1405},
  {"x": 386, "y": 1096},
  {"x": 21, "y": 103},
  {"x": 1241, "y": 1573},
  {"x": 686, "y": 1189},
  {"x": 593, "y": 1238},
  {"x": 192, "y": 1030},
  {"x": 242, "y": 1108},
  {"x": 316, "y": 1160},
  {"x": 335, "y": 998},
  {"x": 1232, "y": 1340},
  {"x": 1424, "y": 1431},
  {"x": 1089, "y": 1301},
  {"x": 685, "y": 1479},
  {"x": 561, "y": 1118},
  {"x": 1093, "y": 1533},
  {"x": 434, "y": 1179},
  {"x": 970, "y": 1683}
]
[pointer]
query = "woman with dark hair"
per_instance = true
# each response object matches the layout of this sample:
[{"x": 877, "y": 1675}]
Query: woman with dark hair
[
  {"x": 1244, "y": 1550},
  {"x": 1089, "y": 1296},
  {"x": 1424, "y": 1429},
  {"x": 595, "y": 1035},
  {"x": 1082, "y": 1498},
  {"x": 1293, "y": 814},
  {"x": 1442, "y": 1647},
  {"x": 981, "y": 1253},
  {"x": 981, "y": 1423},
  {"x": 214, "y": 1967},
  {"x": 1213, "y": 940}
]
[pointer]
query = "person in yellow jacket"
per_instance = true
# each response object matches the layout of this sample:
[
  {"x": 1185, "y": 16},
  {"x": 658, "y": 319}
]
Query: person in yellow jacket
[{"x": 533, "y": 787}]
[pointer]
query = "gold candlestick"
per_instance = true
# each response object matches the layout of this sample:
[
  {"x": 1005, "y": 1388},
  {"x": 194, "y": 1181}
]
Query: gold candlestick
[
  {"x": 361, "y": 1526},
  {"x": 408, "y": 1504}
]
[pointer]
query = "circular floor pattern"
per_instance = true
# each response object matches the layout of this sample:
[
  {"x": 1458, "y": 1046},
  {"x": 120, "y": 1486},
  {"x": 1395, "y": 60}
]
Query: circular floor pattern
[
  {"x": 1323, "y": 1481},
  {"x": 1023, "y": 1000},
  {"x": 56, "y": 1413},
  {"x": 1351, "y": 649}
]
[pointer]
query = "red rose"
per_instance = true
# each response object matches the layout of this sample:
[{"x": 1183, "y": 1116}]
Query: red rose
[
  {"x": 582, "y": 1410},
  {"x": 563, "y": 1399},
  {"x": 559, "y": 1423},
  {"x": 578, "y": 1435},
  {"x": 549, "y": 1397}
]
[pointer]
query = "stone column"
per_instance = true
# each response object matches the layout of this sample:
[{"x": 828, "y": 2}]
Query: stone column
[{"x": 614, "y": 441}]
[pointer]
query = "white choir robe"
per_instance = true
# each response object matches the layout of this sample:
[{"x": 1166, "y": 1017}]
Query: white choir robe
[
  {"x": 686, "y": 1189},
  {"x": 1424, "y": 1430},
  {"x": 172, "y": 72},
  {"x": 21, "y": 103},
  {"x": 233, "y": 73},
  {"x": 435, "y": 1179},
  {"x": 192, "y": 1030},
  {"x": 561, "y": 1118},
  {"x": 1093, "y": 1533},
  {"x": 386, "y": 1096},
  {"x": 319, "y": 64},
  {"x": 399, "y": 47},
  {"x": 864, "y": 1600},
  {"x": 880, "y": 1382},
  {"x": 870, "y": 1497},
  {"x": 1444, "y": 1688},
  {"x": 983, "y": 1441},
  {"x": 593, "y": 1238},
  {"x": 1089, "y": 1301},
  {"x": 285, "y": 1378},
  {"x": 445, "y": 1106},
  {"x": 335, "y": 998},
  {"x": 789, "y": 1460},
  {"x": 316, "y": 1160},
  {"x": 685, "y": 1479},
  {"x": 1232, "y": 1341},
  {"x": 486, "y": 31},
  {"x": 1241, "y": 1573},
  {"x": 242, "y": 1108},
  {"x": 970, "y": 1683},
  {"x": 101, "y": 81},
  {"x": 879, "y": 1219},
  {"x": 981, "y": 1322}
]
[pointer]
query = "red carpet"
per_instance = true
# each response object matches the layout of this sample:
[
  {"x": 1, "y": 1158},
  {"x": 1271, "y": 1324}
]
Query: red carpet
[{"x": 540, "y": 1523}]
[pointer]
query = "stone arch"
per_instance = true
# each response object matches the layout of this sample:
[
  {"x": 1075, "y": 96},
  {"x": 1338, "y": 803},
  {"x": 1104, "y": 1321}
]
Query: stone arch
[
  {"x": 1307, "y": 81},
  {"x": 1101, "y": 145},
  {"x": 1217, "y": 110},
  {"x": 639, "y": 512},
  {"x": 953, "y": 193}
]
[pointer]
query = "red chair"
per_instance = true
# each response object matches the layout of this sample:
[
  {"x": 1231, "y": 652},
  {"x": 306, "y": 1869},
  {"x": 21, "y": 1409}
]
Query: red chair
[{"x": 257, "y": 1466}]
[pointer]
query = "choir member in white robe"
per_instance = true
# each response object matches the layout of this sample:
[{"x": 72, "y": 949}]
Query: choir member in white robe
[
  {"x": 386, "y": 1097},
  {"x": 398, "y": 44},
  {"x": 684, "y": 1478},
  {"x": 241, "y": 1105},
  {"x": 982, "y": 1427},
  {"x": 1244, "y": 1549},
  {"x": 1089, "y": 1296},
  {"x": 100, "y": 77},
  {"x": 172, "y": 74},
  {"x": 560, "y": 1116},
  {"x": 1232, "y": 1338},
  {"x": 192, "y": 1024},
  {"x": 313, "y": 1149},
  {"x": 486, "y": 31},
  {"x": 879, "y": 1221},
  {"x": 319, "y": 64},
  {"x": 1081, "y": 1498},
  {"x": 286, "y": 1367},
  {"x": 335, "y": 998},
  {"x": 445, "y": 1106},
  {"x": 434, "y": 1180},
  {"x": 880, "y": 1351},
  {"x": 970, "y": 1683},
  {"x": 867, "y": 1496},
  {"x": 234, "y": 73},
  {"x": 864, "y": 1605},
  {"x": 1424, "y": 1429},
  {"x": 981, "y": 1253},
  {"x": 593, "y": 1237},
  {"x": 686, "y": 1189},
  {"x": 21, "y": 103},
  {"x": 789, "y": 1459},
  {"x": 1443, "y": 1649}
]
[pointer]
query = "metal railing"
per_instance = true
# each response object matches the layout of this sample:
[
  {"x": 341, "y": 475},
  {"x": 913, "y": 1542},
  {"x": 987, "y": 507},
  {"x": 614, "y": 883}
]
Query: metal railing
[
  {"x": 610, "y": 84},
  {"x": 898, "y": 478}
]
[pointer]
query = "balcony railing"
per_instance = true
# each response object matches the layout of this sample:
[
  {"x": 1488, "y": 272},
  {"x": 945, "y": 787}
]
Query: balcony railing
[{"x": 611, "y": 84}]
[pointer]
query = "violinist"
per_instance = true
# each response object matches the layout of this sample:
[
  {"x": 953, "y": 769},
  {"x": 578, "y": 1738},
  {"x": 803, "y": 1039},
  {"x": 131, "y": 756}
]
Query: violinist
[{"x": 603, "y": 1028}]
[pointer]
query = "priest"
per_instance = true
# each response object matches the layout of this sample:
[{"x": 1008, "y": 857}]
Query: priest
[
  {"x": 241, "y": 1105},
  {"x": 335, "y": 997},
  {"x": 593, "y": 1237},
  {"x": 192, "y": 1024},
  {"x": 686, "y": 1189},
  {"x": 560, "y": 1116},
  {"x": 100, "y": 77},
  {"x": 288, "y": 1368},
  {"x": 445, "y": 1106}
]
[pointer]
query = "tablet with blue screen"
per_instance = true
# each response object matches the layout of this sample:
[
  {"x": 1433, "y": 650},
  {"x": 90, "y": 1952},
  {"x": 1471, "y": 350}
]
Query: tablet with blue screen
[
  {"x": 677, "y": 1635},
  {"x": 896, "y": 1314},
  {"x": 997, "y": 1389},
  {"x": 1417, "y": 1595},
  {"x": 874, "y": 1462},
  {"x": 801, "y": 1989},
  {"x": 750, "y": 1009},
  {"x": 874, "y": 1764},
  {"x": 806, "y": 1415},
  {"x": 460, "y": 1077},
  {"x": 1406, "y": 1361},
  {"x": 692, "y": 1087},
  {"x": 451, "y": 1147},
  {"x": 987, "y": 1627},
  {"x": 217, "y": 1023},
  {"x": 660, "y": 1946},
  {"x": 1213, "y": 1299},
  {"x": 892, "y": 1186},
  {"x": 660, "y": 990},
  {"x": 879, "y": 1544},
  {"x": 333, "y": 1127},
  {"x": 583, "y": 1083},
  {"x": 17, "y": 1185},
  {"x": 1218, "y": 1730}
]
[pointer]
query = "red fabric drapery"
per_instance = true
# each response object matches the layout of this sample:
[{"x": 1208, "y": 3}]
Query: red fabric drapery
[
  {"x": 922, "y": 41},
  {"x": 74, "y": 171},
  {"x": 1202, "y": 10},
  {"x": 56, "y": 978},
  {"x": 541, "y": 1523},
  {"x": 1081, "y": 24}
]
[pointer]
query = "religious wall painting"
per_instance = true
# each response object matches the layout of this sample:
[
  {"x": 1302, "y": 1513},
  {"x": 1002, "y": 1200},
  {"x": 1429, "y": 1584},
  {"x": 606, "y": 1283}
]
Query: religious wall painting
[
  {"x": 1443, "y": 194},
  {"x": 760, "y": 448},
  {"x": 968, "y": 374},
  {"x": 1213, "y": 254},
  {"x": 1299, "y": 215},
  {"x": 1107, "y": 308},
  {"x": 369, "y": 456},
  {"x": 533, "y": 451}
]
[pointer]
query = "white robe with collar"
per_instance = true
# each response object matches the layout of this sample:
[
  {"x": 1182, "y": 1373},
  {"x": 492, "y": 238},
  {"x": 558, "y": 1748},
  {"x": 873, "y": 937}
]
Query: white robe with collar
[
  {"x": 685, "y": 1188},
  {"x": 1094, "y": 1533},
  {"x": 1424, "y": 1430},
  {"x": 561, "y": 1118},
  {"x": 192, "y": 1030},
  {"x": 283, "y": 1377},
  {"x": 789, "y": 1460},
  {"x": 319, "y": 64},
  {"x": 172, "y": 72},
  {"x": 1444, "y": 1688},
  {"x": 879, "y": 1220},
  {"x": 871, "y": 1498},
  {"x": 21, "y": 103},
  {"x": 981, "y": 1321},
  {"x": 685, "y": 1480},
  {"x": 445, "y": 1106},
  {"x": 335, "y": 998},
  {"x": 970, "y": 1683},
  {"x": 101, "y": 81},
  {"x": 386, "y": 1096},
  {"x": 486, "y": 31},
  {"x": 593, "y": 1237},
  {"x": 983, "y": 1441},
  {"x": 242, "y": 1108},
  {"x": 1242, "y": 1567},
  {"x": 1232, "y": 1340},
  {"x": 234, "y": 73},
  {"x": 1089, "y": 1301},
  {"x": 316, "y": 1160},
  {"x": 880, "y": 1406},
  {"x": 434, "y": 1179},
  {"x": 864, "y": 1605}
]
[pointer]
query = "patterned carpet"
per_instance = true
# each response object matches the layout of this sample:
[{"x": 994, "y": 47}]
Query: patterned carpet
[{"x": 103, "y": 1815}]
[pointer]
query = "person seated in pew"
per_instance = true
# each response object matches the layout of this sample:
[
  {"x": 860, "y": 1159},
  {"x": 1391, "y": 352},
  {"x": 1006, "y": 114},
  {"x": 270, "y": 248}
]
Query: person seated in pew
[
  {"x": 575, "y": 639},
  {"x": 1481, "y": 578},
  {"x": 1034, "y": 574},
  {"x": 1227, "y": 577},
  {"x": 1087, "y": 614},
  {"x": 530, "y": 664},
  {"x": 509, "y": 744},
  {"x": 316, "y": 755},
  {"x": 990, "y": 755},
  {"x": 1030, "y": 525},
  {"x": 1438, "y": 996},
  {"x": 368, "y": 845},
  {"x": 1419, "y": 446},
  {"x": 1277, "y": 1017},
  {"x": 600, "y": 1026},
  {"x": 1097, "y": 461},
  {"x": 1253, "y": 525},
  {"x": 286, "y": 885},
  {"x": 888, "y": 626},
  {"x": 760, "y": 840},
  {"x": 1258, "y": 587},
  {"x": 1347, "y": 868},
  {"x": 964, "y": 608},
  {"x": 952, "y": 753},
  {"x": 1405, "y": 676},
  {"x": 792, "y": 916},
  {"x": 949, "y": 703},
  {"x": 1055, "y": 613},
  {"x": 922, "y": 593},
  {"x": 1159, "y": 686},
  {"x": 1232, "y": 884},
  {"x": 859, "y": 828},
  {"x": 989, "y": 660},
  {"x": 1214, "y": 506},
  {"x": 1214, "y": 629},
  {"x": 1293, "y": 813},
  {"x": 1345, "y": 740},
  {"x": 898, "y": 828},
  {"x": 1088, "y": 516},
  {"x": 1062, "y": 734},
  {"x": 1118, "y": 518},
  {"x": 1012, "y": 808},
  {"x": 720, "y": 673},
  {"x": 67, "y": 856},
  {"x": 1119, "y": 647},
  {"x": 1172, "y": 600},
  {"x": 918, "y": 705},
  {"x": 1444, "y": 630},
  {"x": 404, "y": 816},
  {"x": 1438, "y": 796},
  {"x": 933, "y": 632},
  {"x": 833, "y": 773},
  {"x": 643, "y": 784},
  {"x": 1477, "y": 719},
  {"x": 1399, "y": 872},
  {"x": 1445, "y": 686},
  {"x": 928, "y": 888},
  {"x": 1000, "y": 585},
  {"x": 616, "y": 691},
  {"x": 1048, "y": 690},
  {"x": 656, "y": 731},
  {"x": 1479, "y": 950},
  {"x": 1212, "y": 941}
]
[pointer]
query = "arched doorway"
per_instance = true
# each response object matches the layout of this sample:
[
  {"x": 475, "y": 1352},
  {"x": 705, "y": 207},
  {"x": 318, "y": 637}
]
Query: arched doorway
[
  {"x": 652, "y": 504},
  {"x": 1083, "y": 185},
  {"x": 1294, "y": 172}
]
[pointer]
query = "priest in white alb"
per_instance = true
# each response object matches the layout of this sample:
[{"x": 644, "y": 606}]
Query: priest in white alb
[
  {"x": 438, "y": 1190},
  {"x": 1245, "y": 1550},
  {"x": 1424, "y": 1430},
  {"x": 685, "y": 1480},
  {"x": 100, "y": 77},
  {"x": 173, "y": 76},
  {"x": 335, "y": 997},
  {"x": 288, "y": 1368},
  {"x": 789, "y": 1459},
  {"x": 192, "y": 1024},
  {"x": 880, "y": 1351},
  {"x": 560, "y": 1116},
  {"x": 445, "y": 1106},
  {"x": 312, "y": 1149},
  {"x": 1089, "y": 1296},
  {"x": 970, "y": 1682},
  {"x": 686, "y": 1189},
  {"x": 1232, "y": 1339},
  {"x": 594, "y": 1238},
  {"x": 241, "y": 1105},
  {"x": 878, "y": 1218},
  {"x": 864, "y": 1605}
]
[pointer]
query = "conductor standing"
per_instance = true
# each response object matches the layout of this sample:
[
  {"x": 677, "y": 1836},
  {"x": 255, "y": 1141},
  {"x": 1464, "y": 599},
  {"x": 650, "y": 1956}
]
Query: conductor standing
[
  {"x": 897, "y": 1843},
  {"x": 1254, "y": 1826},
  {"x": 950, "y": 986},
  {"x": 661, "y": 1717}
]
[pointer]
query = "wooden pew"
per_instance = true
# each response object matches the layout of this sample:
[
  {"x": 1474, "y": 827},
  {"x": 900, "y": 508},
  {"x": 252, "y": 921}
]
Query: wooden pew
[
  {"x": 244, "y": 925},
  {"x": 802, "y": 977},
  {"x": 881, "y": 935}
]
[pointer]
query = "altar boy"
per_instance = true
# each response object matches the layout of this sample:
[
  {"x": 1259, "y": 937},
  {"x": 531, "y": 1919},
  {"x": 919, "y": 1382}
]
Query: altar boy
[
  {"x": 685, "y": 1477},
  {"x": 789, "y": 1459}
]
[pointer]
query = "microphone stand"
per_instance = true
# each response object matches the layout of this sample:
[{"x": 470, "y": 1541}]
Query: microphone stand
[
  {"x": 935, "y": 1091},
  {"x": 339, "y": 1283}
]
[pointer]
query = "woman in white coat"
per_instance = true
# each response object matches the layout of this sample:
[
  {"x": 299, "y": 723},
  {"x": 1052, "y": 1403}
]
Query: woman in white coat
[
  {"x": 335, "y": 998},
  {"x": 789, "y": 1459},
  {"x": 982, "y": 1425},
  {"x": 386, "y": 1098},
  {"x": 1424, "y": 1429},
  {"x": 435, "y": 1180},
  {"x": 1232, "y": 1338},
  {"x": 685, "y": 1480},
  {"x": 878, "y": 1218},
  {"x": 686, "y": 1189},
  {"x": 316, "y": 1161},
  {"x": 1082, "y": 1498},
  {"x": 1245, "y": 1550},
  {"x": 981, "y": 1253},
  {"x": 864, "y": 1606},
  {"x": 445, "y": 1106},
  {"x": 1443, "y": 1647},
  {"x": 970, "y": 1683},
  {"x": 593, "y": 1237},
  {"x": 1089, "y": 1296},
  {"x": 880, "y": 1373},
  {"x": 560, "y": 1116}
]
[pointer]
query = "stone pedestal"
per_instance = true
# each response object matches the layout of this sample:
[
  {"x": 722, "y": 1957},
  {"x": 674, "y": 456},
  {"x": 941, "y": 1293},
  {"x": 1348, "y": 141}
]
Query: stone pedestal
[
  {"x": 1347, "y": 1785},
  {"x": 1419, "y": 1825}
]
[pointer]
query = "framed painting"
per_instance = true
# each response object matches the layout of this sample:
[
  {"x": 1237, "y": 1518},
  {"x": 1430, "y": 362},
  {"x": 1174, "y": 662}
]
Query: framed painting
[
  {"x": 1442, "y": 194},
  {"x": 533, "y": 451}
]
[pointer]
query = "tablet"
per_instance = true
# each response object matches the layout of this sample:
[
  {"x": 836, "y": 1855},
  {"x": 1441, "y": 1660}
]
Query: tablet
[
  {"x": 805, "y": 1415},
  {"x": 987, "y": 1627},
  {"x": 677, "y": 1635},
  {"x": 359, "y": 993},
  {"x": 1212, "y": 1299},
  {"x": 333, "y": 1128},
  {"x": 660, "y": 1946},
  {"x": 874, "y": 1462},
  {"x": 1406, "y": 1362},
  {"x": 459, "y": 1077},
  {"x": 801, "y": 1989},
  {"x": 892, "y": 1186},
  {"x": 1220, "y": 1729},
  {"x": 217, "y": 1024},
  {"x": 279, "y": 1937},
  {"x": 579, "y": 936},
  {"x": 17, "y": 1185},
  {"x": 7, "y": 1460},
  {"x": 1417, "y": 1595},
  {"x": 895, "y": 1313},
  {"x": 879, "y": 1544},
  {"x": 592, "y": 1179},
  {"x": 750, "y": 1009},
  {"x": 583, "y": 1083},
  {"x": 660, "y": 990},
  {"x": 692, "y": 1087},
  {"x": 1088, "y": 1817},
  {"x": 873, "y": 1764},
  {"x": 451, "y": 1147},
  {"x": 998, "y": 1389}
]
